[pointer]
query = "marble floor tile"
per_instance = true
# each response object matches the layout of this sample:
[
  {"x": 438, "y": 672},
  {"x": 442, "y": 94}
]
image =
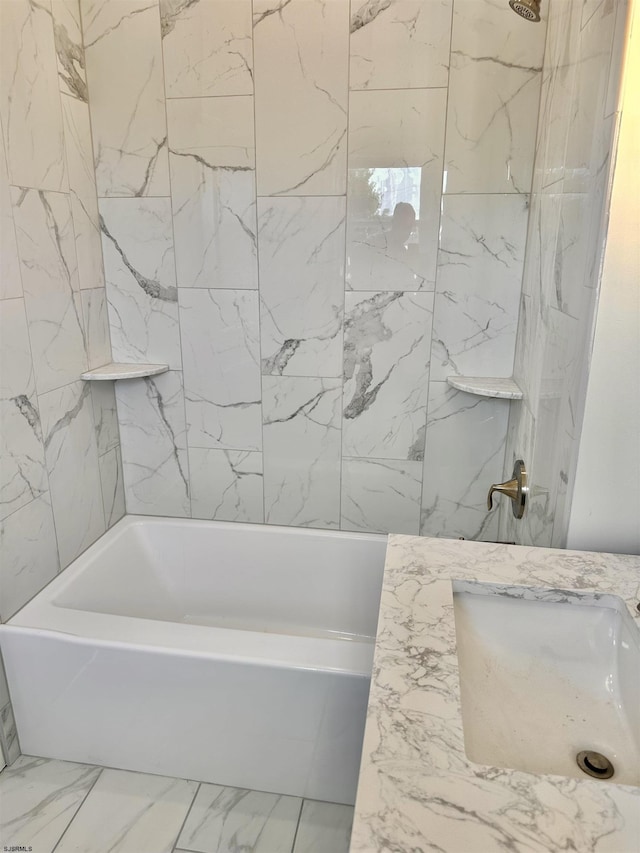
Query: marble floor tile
[
  {"x": 324, "y": 828},
  {"x": 233, "y": 819},
  {"x": 130, "y": 813},
  {"x": 39, "y": 798}
]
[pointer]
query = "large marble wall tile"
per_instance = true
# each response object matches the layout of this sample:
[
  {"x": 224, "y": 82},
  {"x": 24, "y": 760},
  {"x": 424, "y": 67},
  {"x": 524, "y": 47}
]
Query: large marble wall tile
[
  {"x": 9, "y": 743},
  {"x": 221, "y": 352},
  {"x": 96, "y": 326},
  {"x": 381, "y": 495},
  {"x": 130, "y": 812},
  {"x": 72, "y": 464},
  {"x": 112, "y": 486},
  {"x": 478, "y": 289},
  {"x": 207, "y": 47},
  {"x": 10, "y": 281},
  {"x": 386, "y": 370},
  {"x": 29, "y": 99},
  {"x": 124, "y": 74},
  {"x": 105, "y": 415},
  {"x": 302, "y": 451},
  {"x": 213, "y": 191},
  {"x": 23, "y": 475},
  {"x": 153, "y": 445},
  {"x": 301, "y": 251},
  {"x": 494, "y": 92},
  {"x": 39, "y": 798},
  {"x": 226, "y": 485},
  {"x": 29, "y": 557},
  {"x": 82, "y": 187},
  {"x": 396, "y": 141},
  {"x": 399, "y": 44},
  {"x": 301, "y": 52},
  {"x": 464, "y": 455},
  {"x": 141, "y": 283},
  {"x": 67, "y": 30},
  {"x": 44, "y": 229}
]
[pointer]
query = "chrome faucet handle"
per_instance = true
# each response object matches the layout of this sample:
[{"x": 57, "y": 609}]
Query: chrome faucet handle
[{"x": 516, "y": 489}]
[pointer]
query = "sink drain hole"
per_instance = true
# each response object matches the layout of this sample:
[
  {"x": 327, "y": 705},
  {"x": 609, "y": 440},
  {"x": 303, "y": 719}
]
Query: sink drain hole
[{"x": 595, "y": 764}]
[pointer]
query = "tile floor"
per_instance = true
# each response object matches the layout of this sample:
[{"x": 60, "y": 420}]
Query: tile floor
[{"x": 48, "y": 806}]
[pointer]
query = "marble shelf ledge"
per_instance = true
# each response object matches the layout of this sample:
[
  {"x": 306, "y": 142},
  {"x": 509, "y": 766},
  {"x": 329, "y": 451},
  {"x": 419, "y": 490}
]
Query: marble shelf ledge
[
  {"x": 503, "y": 388},
  {"x": 116, "y": 370}
]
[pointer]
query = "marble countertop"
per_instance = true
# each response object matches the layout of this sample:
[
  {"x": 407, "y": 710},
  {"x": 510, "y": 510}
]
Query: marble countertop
[{"x": 418, "y": 791}]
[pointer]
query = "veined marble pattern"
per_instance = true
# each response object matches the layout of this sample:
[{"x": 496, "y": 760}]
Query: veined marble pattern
[
  {"x": 396, "y": 139},
  {"x": 220, "y": 334},
  {"x": 39, "y": 799},
  {"x": 154, "y": 445},
  {"x": 416, "y": 781},
  {"x": 213, "y": 191},
  {"x": 301, "y": 53},
  {"x": 301, "y": 285},
  {"x": 96, "y": 325},
  {"x": 301, "y": 450},
  {"x": 478, "y": 291},
  {"x": 67, "y": 30},
  {"x": 386, "y": 369},
  {"x": 23, "y": 475},
  {"x": 226, "y": 485},
  {"x": 207, "y": 47},
  {"x": 141, "y": 282},
  {"x": 29, "y": 100},
  {"x": 29, "y": 555},
  {"x": 105, "y": 416},
  {"x": 112, "y": 486},
  {"x": 82, "y": 188},
  {"x": 58, "y": 804},
  {"x": 494, "y": 92},
  {"x": 72, "y": 463},
  {"x": 10, "y": 281},
  {"x": 44, "y": 230},
  {"x": 9, "y": 743},
  {"x": 134, "y": 811},
  {"x": 381, "y": 495},
  {"x": 324, "y": 827},
  {"x": 235, "y": 819},
  {"x": 399, "y": 44},
  {"x": 464, "y": 455},
  {"x": 124, "y": 73}
]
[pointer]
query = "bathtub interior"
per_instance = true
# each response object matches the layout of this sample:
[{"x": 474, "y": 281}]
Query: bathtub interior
[{"x": 306, "y": 583}]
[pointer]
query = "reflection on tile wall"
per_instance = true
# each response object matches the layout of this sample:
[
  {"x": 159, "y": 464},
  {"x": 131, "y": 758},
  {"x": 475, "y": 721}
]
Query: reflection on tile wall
[
  {"x": 274, "y": 227},
  {"x": 567, "y": 229}
]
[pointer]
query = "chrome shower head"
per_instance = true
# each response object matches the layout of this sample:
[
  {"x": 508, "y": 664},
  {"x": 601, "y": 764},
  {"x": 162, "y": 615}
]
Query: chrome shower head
[{"x": 529, "y": 9}]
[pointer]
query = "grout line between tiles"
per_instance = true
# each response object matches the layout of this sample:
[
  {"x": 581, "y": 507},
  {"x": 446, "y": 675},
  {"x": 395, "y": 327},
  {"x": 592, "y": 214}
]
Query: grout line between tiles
[
  {"x": 75, "y": 814},
  {"x": 188, "y": 812},
  {"x": 295, "y": 834}
]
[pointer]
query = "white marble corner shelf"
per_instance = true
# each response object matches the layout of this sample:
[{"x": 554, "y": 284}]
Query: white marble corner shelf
[
  {"x": 503, "y": 388},
  {"x": 116, "y": 370}
]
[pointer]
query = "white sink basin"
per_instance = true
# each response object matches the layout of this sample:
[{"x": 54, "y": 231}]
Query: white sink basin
[{"x": 545, "y": 675}]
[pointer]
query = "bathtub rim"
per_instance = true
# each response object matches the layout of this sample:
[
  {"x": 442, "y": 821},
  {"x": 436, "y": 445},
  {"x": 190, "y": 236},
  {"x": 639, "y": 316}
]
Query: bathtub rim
[{"x": 44, "y": 617}]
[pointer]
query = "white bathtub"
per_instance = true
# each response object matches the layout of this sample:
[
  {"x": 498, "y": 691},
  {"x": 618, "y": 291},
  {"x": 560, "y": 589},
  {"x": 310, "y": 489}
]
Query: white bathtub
[{"x": 228, "y": 653}]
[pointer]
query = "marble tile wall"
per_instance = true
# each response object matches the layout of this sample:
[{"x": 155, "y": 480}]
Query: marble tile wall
[
  {"x": 60, "y": 471},
  {"x": 314, "y": 212},
  {"x": 566, "y": 235}
]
